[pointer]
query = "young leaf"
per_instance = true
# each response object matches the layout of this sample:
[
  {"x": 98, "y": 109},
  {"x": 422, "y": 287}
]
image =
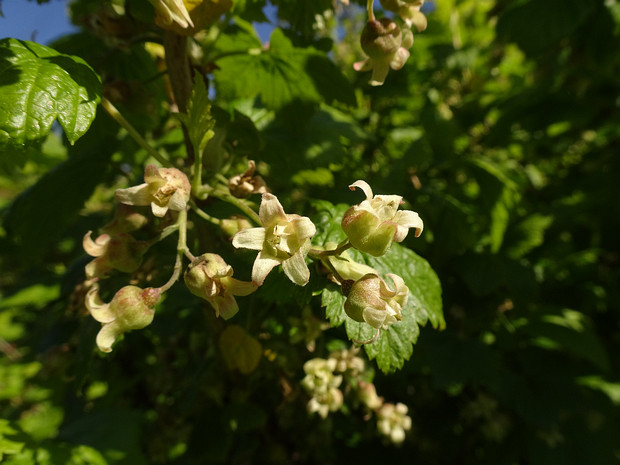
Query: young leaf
[
  {"x": 198, "y": 118},
  {"x": 39, "y": 85}
]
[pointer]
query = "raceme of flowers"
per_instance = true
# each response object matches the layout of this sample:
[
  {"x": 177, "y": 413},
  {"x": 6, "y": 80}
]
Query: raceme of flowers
[
  {"x": 282, "y": 239},
  {"x": 327, "y": 380}
]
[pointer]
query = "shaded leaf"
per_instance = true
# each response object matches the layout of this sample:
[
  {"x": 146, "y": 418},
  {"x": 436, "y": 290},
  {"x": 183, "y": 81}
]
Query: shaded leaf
[
  {"x": 537, "y": 26},
  {"x": 280, "y": 75}
]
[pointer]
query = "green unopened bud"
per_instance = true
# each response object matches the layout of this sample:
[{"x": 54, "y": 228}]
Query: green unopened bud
[
  {"x": 210, "y": 277},
  {"x": 371, "y": 301},
  {"x": 231, "y": 226},
  {"x": 372, "y": 225},
  {"x": 130, "y": 308}
]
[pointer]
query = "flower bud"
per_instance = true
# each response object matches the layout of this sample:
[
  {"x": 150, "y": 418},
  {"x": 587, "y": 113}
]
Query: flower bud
[
  {"x": 118, "y": 252},
  {"x": 243, "y": 185},
  {"x": 210, "y": 277},
  {"x": 130, "y": 308},
  {"x": 381, "y": 38},
  {"x": 372, "y": 225},
  {"x": 368, "y": 395},
  {"x": 234, "y": 224},
  {"x": 371, "y": 301}
]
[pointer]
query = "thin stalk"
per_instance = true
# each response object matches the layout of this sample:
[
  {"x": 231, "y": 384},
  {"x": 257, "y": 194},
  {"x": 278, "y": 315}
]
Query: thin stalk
[
  {"x": 197, "y": 179},
  {"x": 204, "y": 215},
  {"x": 239, "y": 204},
  {"x": 135, "y": 135},
  {"x": 181, "y": 250},
  {"x": 162, "y": 235},
  {"x": 371, "y": 11},
  {"x": 320, "y": 254}
]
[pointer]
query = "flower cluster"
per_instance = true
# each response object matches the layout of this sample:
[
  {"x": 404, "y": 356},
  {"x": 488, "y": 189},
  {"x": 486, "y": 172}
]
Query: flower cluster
[
  {"x": 326, "y": 389},
  {"x": 393, "y": 421},
  {"x": 322, "y": 385}
]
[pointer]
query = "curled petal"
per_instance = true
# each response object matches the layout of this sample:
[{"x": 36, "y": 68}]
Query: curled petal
[
  {"x": 263, "y": 264},
  {"x": 153, "y": 176},
  {"x": 177, "y": 202},
  {"x": 252, "y": 239},
  {"x": 99, "y": 310},
  {"x": 407, "y": 38},
  {"x": 139, "y": 195},
  {"x": 158, "y": 210},
  {"x": 270, "y": 210},
  {"x": 304, "y": 227},
  {"x": 364, "y": 186},
  {"x": 97, "y": 247},
  {"x": 409, "y": 219},
  {"x": 225, "y": 306},
  {"x": 399, "y": 59},
  {"x": 296, "y": 269},
  {"x": 107, "y": 336},
  {"x": 385, "y": 292},
  {"x": 399, "y": 285},
  {"x": 98, "y": 268}
]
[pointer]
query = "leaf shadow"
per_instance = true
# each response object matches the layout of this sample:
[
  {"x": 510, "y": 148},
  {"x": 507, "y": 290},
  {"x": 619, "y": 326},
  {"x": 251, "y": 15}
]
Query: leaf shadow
[{"x": 9, "y": 74}]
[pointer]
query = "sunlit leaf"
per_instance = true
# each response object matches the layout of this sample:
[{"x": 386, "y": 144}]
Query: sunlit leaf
[{"x": 39, "y": 86}]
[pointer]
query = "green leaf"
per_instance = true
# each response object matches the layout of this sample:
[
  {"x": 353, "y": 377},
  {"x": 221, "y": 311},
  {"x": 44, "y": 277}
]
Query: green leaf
[
  {"x": 39, "y": 85},
  {"x": 499, "y": 192},
  {"x": 40, "y": 214},
  {"x": 393, "y": 346},
  {"x": 8, "y": 446},
  {"x": 280, "y": 75},
  {"x": 198, "y": 118},
  {"x": 569, "y": 331},
  {"x": 115, "y": 432},
  {"x": 250, "y": 10},
  {"x": 302, "y": 14},
  {"x": 527, "y": 235},
  {"x": 52, "y": 453}
]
